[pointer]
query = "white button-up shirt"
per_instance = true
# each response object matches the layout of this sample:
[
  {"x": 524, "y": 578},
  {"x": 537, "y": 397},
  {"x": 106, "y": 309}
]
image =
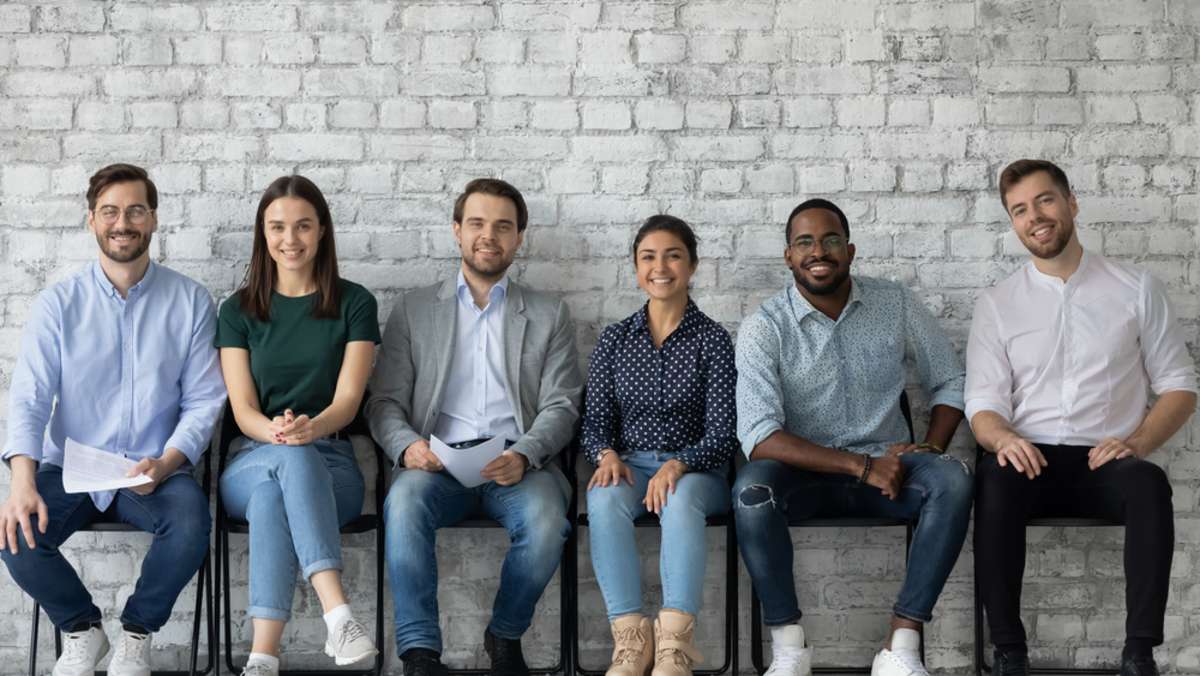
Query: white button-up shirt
[
  {"x": 1074, "y": 362},
  {"x": 475, "y": 403}
]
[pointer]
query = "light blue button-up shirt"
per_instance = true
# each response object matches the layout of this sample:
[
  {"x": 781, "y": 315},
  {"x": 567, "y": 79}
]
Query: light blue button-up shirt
[
  {"x": 475, "y": 403},
  {"x": 134, "y": 375},
  {"x": 838, "y": 383}
]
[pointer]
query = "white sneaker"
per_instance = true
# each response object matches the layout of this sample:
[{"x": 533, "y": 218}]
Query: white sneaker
[
  {"x": 81, "y": 651},
  {"x": 904, "y": 657},
  {"x": 259, "y": 669},
  {"x": 789, "y": 655},
  {"x": 132, "y": 656},
  {"x": 349, "y": 643}
]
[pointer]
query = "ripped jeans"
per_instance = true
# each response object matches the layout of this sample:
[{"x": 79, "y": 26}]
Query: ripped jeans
[{"x": 937, "y": 491}]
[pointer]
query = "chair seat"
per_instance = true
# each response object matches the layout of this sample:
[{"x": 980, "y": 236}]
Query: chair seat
[
  {"x": 647, "y": 521},
  {"x": 362, "y": 524},
  {"x": 847, "y": 522},
  {"x": 1072, "y": 522}
]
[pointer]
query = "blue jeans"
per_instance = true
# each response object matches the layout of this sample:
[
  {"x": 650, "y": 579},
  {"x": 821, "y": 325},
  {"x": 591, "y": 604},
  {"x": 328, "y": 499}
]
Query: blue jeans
[
  {"x": 937, "y": 492},
  {"x": 295, "y": 498},
  {"x": 533, "y": 511},
  {"x": 176, "y": 513},
  {"x": 683, "y": 553}
]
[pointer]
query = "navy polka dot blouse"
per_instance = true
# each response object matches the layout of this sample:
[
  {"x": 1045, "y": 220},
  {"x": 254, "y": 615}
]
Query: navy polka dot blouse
[{"x": 679, "y": 398}]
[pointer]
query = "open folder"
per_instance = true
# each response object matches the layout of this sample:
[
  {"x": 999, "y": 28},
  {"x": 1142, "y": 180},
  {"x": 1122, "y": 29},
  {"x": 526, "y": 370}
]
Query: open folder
[
  {"x": 464, "y": 464},
  {"x": 87, "y": 469}
]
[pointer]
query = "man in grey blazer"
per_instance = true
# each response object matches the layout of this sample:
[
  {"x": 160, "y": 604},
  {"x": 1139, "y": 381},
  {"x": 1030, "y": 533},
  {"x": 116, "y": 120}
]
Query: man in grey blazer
[{"x": 468, "y": 359}]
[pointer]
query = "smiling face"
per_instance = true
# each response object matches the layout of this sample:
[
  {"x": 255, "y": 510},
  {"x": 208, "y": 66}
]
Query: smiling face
[
  {"x": 293, "y": 233},
  {"x": 818, "y": 254},
  {"x": 123, "y": 221},
  {"x": 488, "y": 236},
  {"x": 664, "y": 266},
  {"x": 1042, "y": 216}
]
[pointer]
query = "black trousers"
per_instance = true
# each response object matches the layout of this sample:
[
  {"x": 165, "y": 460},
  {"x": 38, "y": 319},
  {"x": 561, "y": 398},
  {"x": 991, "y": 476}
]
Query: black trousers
[{"x": 1133, "y": 491}]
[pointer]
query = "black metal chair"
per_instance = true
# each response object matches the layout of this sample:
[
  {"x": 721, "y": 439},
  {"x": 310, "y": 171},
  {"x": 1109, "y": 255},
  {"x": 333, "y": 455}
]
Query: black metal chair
[
  {"x": 981, "y": 665},
  {"x": 756, "y": 629},
  {"x": 729, "y": 663},
  {"x": 203, "y": 577},
  {"x": 363, "y": 524}
]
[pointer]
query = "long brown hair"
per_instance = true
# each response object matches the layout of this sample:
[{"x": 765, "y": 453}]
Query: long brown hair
[{"x": 255, "y": 294}]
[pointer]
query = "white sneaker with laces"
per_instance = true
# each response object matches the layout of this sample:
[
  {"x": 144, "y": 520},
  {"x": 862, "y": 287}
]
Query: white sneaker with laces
[
  {"x": 132, "y": 656},
  {"x": 904, "y": 657},
  {"x": 259, "y": 669},
  {"x": 789, "y": 655},
  {"x": 349, "y": 643},
  {"x": 81, "y": 651}
]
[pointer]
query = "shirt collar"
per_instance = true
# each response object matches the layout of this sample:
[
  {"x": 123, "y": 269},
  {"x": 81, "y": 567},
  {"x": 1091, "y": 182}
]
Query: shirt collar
[
  {"x": 499, "y": 290},
  {"x": 802, "y": 308},
  {"x": 691, "y": 316},
  {"x": 1073, "y": 281},
  {"x": 111, "y": 291}
]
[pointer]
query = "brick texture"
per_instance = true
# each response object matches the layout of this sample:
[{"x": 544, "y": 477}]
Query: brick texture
[{"x": 604, "y": 112}]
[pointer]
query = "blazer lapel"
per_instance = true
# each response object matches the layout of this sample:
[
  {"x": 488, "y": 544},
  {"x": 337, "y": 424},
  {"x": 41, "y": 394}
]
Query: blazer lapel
[
  {"x": 514, "y": 338},
  {"x": 445, "y": 320}
]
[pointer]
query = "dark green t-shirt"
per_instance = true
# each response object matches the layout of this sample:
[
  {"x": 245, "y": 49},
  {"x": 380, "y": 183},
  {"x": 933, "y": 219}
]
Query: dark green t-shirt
[{"x": 295, "y": 359}]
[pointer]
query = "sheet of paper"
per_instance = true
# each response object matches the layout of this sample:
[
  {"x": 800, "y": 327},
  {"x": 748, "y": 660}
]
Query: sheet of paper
[
  {"x": 87, "y": 469},
  {"x": 465, "y": 464}
]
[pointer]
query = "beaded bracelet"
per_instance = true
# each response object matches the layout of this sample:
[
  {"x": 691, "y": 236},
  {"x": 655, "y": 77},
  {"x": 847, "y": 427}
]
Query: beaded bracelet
[{"x": 862, "y": 479}]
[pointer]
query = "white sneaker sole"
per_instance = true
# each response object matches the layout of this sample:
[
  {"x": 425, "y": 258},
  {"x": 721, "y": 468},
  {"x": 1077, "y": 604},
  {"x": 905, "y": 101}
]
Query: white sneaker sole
[{"x": 343, "y": 661}]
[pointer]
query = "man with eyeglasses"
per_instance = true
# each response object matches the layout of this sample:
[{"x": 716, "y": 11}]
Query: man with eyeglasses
[
  {"x": 820, "y": 378},
  {"x": 118, "y": 357}
]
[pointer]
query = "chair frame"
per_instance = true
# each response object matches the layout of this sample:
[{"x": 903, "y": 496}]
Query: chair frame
[
  {"x": 981, "y": 665},
  {"x": 756, "y": 625},
  {"x": 108, "y": 525},
  {"x": 362, "y": 524}
]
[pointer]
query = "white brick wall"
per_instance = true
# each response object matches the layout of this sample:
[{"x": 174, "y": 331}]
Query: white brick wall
[{"x": 604, "y": 112}]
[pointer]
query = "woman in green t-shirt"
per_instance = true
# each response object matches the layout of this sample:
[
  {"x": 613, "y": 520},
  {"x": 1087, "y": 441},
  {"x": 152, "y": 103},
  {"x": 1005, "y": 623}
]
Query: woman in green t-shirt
[{"x": 297, "y": 345}]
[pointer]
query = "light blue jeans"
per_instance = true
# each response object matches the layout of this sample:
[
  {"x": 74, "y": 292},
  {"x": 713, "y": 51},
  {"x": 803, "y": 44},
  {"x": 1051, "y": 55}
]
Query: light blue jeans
[
  {"x": 683, "y": 553},
  {"x": 295, "y": 498}
]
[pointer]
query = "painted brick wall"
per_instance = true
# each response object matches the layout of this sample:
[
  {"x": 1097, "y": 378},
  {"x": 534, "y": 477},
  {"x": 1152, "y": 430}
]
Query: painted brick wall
[{"x": 604, "y": 112}]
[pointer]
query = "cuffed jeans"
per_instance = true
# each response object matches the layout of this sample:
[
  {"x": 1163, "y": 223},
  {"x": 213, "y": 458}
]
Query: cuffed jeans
[
  {"x": 533, "y": 512},
  {"x": 295, "y": 498},
  {"x": 176, "y": 513},
  {"x": 1132, "y": 491},
  {"x": 684, "y": 552},
  {"x": 936, "y": 492}
]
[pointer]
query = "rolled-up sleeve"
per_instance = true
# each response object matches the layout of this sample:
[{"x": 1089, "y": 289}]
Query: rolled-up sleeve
[
  {"x": 1164, "y": 350},
  {"x": 938, "y": 364},
  {"x": 760, "y": 410},
  {"x": 989, "y": 373},
  {"x": 35, "y": 379}
]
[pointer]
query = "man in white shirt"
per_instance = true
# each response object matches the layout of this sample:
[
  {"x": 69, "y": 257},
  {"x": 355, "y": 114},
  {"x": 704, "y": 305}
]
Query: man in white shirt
[{"x": 1061, "y": 361}]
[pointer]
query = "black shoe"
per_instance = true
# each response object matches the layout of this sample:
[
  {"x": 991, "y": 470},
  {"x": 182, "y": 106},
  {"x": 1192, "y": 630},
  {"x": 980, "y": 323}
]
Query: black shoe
[
  {"x": 1138, "y": 665},
  {"x": 422, "y": 662},
  {"x": 1011, "y": 663},
  {"x": 506, "y": 656}
]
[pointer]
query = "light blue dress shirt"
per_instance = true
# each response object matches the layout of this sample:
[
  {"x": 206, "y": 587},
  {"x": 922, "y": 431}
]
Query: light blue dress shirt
[
  {"x": 475, "y": 403},
  {"x": 134, "y": 375},
  {"x": 838, "y": 383}
]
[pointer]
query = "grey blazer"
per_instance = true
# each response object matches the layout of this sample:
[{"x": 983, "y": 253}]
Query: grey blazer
[{"x": 540, "y": 360}]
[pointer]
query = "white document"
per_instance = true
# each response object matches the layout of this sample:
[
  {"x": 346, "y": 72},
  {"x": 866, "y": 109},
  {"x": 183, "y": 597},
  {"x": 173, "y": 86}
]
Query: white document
[
  {"x": 87, "y": 469},
  {"x": 465, "y": 464}
]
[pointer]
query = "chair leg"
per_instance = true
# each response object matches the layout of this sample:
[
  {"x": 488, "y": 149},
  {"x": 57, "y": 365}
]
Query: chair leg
[
  {"x": 981, "y": 665},
  {"x": 756, "y": 633},
  {"x": 731, "y": 598},
  {"x": 379, "y": 557},
  {"x": 33, "y": 639}
]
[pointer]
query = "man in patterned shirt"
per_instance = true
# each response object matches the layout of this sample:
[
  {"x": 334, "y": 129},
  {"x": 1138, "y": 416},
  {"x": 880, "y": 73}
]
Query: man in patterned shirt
[{"x": 820, "y": 378}]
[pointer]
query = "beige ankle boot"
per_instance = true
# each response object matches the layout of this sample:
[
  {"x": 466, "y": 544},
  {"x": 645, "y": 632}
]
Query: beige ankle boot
[
  {"x": 633, "y": 646},
  {"x": 674, "y": 654}
]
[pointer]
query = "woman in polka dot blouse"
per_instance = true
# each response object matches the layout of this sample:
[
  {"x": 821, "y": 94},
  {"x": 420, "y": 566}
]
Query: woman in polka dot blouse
[{"x": 659, "y": 425}]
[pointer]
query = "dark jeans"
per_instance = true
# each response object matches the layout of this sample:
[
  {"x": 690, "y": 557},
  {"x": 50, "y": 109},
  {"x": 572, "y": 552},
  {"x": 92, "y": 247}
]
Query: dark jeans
[
  {"x": 936, "y": 492},
  {"x": 1132, "y": 491},
  {"x": 176, "y": 513}
]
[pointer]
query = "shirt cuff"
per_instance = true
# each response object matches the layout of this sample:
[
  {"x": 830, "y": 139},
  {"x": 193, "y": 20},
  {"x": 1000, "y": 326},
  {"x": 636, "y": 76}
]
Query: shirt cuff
[
  {"x": 952, "y": 398},
  {"x": 757, "y": 433},
  {"x": 29, "y": 447},
  {"x": 1174, "y": 384},
  {"x": 976, "y": 406},
  {"x": 192, "y": 451}
]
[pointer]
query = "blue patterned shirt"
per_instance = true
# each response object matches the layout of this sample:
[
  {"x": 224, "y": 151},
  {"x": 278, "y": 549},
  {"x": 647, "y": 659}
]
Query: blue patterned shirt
[
  {"x": 678, "y": 398},
  {"x": 838, "y": 383}
]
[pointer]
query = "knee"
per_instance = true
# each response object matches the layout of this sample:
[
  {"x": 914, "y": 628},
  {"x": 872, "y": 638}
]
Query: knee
[
  {"x": 187, "y": 530},
  {"x": 609, "y": 503},
  {"x": 542, "y": 528},
  {"x": 754, "y": 489},
  {"x": 1143, "y": 479},
  {"x": 305, "y": 460},
  {"x": 955, "y": 485},
  {"x": 408, "y": 500}
]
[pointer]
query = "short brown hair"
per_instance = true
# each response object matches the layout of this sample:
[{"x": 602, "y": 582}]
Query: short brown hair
[
  {"x": 120, "y": 173},
  {"x": 493, "y": 186},
  {"x": 1015, "y": 172}
]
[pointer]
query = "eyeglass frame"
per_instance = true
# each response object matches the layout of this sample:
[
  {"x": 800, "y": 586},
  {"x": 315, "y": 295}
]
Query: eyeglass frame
[
  {"x": 122, "y": 214},
  {"x": 807, "y": 248}
]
